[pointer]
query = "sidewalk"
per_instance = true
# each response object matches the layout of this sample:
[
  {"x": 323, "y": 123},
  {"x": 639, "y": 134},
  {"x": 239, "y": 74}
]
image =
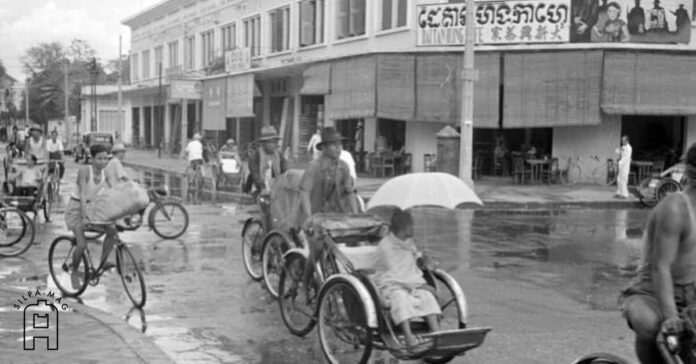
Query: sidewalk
[
  {"x": 84, "y": 335},
  {"x": 493, "y": 191}
]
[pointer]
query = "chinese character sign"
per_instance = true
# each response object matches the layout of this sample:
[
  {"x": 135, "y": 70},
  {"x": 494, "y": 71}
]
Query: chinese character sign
[
  {"x": 497, "y": 22},
  {"x": 237, "y": 60}
]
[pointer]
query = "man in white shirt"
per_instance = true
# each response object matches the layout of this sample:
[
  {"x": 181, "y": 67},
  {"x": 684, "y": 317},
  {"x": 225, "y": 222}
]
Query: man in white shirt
[
  {"x": 625, "y": 152},
  {"x": 194, "y": 151},
  {"x": 312, "y": 146},
  {"x": 54, "y": 147},
  {"x": 21, "y": 137},
  {"x": 348, "y": 158}
]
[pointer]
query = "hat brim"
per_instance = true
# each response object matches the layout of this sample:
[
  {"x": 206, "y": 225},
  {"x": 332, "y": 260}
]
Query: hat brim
[
  {"x": 263, "y": 139},
  {"x": 321, "y": 144}
]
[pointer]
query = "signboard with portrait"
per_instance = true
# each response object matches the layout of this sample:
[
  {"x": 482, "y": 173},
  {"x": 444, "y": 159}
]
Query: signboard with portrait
[
  {"x": 662, "y": 21},
  {"x": 497, "y": 22}
]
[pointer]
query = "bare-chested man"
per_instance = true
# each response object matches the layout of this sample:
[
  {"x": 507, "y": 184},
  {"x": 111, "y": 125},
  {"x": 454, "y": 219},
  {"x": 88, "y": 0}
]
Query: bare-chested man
[{"x": 666, "y": 282}]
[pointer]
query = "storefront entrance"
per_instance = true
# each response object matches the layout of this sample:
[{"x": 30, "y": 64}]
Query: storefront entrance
[
  {"x": 654, "y": 138},
  {"x": 518, "y": 141}
]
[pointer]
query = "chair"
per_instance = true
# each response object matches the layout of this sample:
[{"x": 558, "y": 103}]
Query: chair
[
  {"x": 375, "y": 164},
  {"x": 477, "y": 167},
  {"x": 551, "y": 173},
  {"x": 406, "y": 162},
  {"x": 519, "y": 171},
  {"x": 387, "y": 163}
]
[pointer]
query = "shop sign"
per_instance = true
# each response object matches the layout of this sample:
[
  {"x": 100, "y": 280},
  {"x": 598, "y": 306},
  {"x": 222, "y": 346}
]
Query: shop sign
[
  {"x": 186, "y": 89},
  {"x": 497, "y": 22},
  {"x": 237, "y": 60}
]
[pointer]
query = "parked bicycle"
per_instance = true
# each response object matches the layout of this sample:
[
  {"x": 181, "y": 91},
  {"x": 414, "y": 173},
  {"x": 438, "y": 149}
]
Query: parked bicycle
[
  {"x": 60, "y": 264},
  {"x": 596, "y": 174}
]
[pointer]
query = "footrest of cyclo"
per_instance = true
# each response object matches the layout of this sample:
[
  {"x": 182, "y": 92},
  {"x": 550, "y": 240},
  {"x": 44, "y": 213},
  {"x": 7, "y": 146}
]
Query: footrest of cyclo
[{"x": 452, "y": 342}]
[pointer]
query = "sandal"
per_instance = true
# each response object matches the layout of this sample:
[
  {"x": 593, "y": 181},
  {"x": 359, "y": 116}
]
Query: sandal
[{"x": 421, "y": 346}]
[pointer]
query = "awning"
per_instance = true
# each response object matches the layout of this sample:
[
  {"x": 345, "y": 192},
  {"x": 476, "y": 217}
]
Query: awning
[
  {"x": 649, "y": 84},
  {"x": 438, "y": 88},
  {"x": 214, "y": 93},
  {"x": 396, "y": 86},
  {"x": 552, "y": 89},
  {"x": 353, "y": 85},
  {"x": 317, "y": 79},
  {"x": 241, "y": 90}
]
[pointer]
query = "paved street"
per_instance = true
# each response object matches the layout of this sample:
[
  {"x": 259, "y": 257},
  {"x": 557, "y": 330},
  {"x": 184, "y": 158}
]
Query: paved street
[{"x": 545, "y": 280}]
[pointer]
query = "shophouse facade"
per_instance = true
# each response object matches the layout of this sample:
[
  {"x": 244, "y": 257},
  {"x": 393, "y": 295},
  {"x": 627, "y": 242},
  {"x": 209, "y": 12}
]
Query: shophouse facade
[{"x": 231, "y": 66}]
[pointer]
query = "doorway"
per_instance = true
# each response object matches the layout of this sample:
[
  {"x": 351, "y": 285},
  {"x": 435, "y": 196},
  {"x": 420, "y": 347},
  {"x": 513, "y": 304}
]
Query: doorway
[{"x": 654, "y": 137}]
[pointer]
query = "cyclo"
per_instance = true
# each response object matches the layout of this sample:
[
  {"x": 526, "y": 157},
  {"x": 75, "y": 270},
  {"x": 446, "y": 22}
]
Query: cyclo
[
  {"x": 353, "y": 319},
  {"x": 33, "y": 199}
]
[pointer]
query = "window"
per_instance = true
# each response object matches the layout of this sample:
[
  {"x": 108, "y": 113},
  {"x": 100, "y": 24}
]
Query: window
[
  {"x": 394, "y": 13},
  {"x": 280, "y": 29},
  {"x": 311, "y": 22},
  {"x": 190, "y": 52},
  {"x": 252, "y": 35},
  {"x": 134, "y": 66},
  {"x": 207, "y": 48},
  {"x": 351, "y": 18},
  {"x": 173, "y": 53},
  {"x": 229, "y": 37},
  {"x": 158, "y": 58},
  {"x": 146, "y": 64}
]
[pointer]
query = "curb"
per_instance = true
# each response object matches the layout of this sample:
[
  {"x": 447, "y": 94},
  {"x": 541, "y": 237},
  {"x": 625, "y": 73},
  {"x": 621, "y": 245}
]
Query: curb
[{"x": 140, "y": 344}]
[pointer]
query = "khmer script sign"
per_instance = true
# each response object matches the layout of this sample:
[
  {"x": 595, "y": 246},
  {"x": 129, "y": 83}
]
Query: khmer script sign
[{"x": 497, "y": 22}]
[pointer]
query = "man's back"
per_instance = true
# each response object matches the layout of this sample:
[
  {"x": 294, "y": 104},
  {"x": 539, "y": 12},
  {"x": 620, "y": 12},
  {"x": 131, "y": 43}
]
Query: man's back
[{"x": 194, "y": 150}]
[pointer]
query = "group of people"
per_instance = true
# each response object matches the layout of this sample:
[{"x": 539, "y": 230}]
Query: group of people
[
  {"x": 35, "y": 149},
  {"x": 328, "y": 186}
]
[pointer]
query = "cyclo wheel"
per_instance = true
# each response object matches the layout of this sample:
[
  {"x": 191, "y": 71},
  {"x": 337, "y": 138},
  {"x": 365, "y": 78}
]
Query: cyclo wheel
[
  {"x": 169, "y": 219},
  {"x": 252, "y": 247},
  {"x": 451, "y": 313},
  {"x": 649, "y": 198},
  {"x": 343, "y": 323},
  {"x": 60, "y": 261},
  {"x": 274, "y": 246},
  {"x": 16, "y": 232},
  {"x": 298, "y": 314},
  {"x": 665, "y": 187},
  {"x": 131, "y": 276}
]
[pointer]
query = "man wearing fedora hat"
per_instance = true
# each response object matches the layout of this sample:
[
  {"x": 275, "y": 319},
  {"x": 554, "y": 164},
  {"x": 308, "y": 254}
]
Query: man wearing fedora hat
[
  {"x": 37, "y": 144},
  {"x": 267, "y": 162},
  {"x": 327, "y": 186}
]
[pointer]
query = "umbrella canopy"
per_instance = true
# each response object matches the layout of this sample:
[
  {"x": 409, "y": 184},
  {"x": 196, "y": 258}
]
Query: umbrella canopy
[{"x": 424, "y": 189}]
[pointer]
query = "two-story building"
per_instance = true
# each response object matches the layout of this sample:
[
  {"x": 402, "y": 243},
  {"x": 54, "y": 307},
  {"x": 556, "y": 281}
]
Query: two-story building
[{"x": 566, "y": 76}]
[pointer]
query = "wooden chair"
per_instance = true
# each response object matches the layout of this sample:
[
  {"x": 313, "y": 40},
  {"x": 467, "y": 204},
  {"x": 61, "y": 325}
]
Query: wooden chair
[
  {"x": 551, "y": 173},
  {"x": 658, "y": 167},
  {"x": 388, "y": 163},
  {"x": 376, "y": 162},
  {"x": 519, "y": 171}
]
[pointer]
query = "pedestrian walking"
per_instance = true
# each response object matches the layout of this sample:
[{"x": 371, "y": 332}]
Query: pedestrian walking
[
  {"x": 313, "y": 143},
  {"x": 625, "y": 152}
]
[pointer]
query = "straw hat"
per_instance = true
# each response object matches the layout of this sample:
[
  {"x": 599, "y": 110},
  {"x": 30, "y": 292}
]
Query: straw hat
[
  {"x": 329, "y": 135},
  {"x": 268, "y": 132},
  {"x": 118, "y": 147}
]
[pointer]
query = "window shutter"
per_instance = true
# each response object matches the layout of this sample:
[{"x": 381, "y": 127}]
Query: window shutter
[
  {"x": 343, "y": 18},
  {"x": 307, "y": 21},
  {"x": 402, "y": 13},
  {"x": 357, "y": 17},
  {"x": 386, "y": 14},
  {"x": 279, "y": 30}
]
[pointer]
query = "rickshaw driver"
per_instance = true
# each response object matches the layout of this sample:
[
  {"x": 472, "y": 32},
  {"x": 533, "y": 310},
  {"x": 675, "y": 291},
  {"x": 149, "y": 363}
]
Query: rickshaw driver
[
  {"x": 266, "y": 164},
  {"x": 326, "y": 186},
  {"x": 54, "y": 147},
  {"x": 666, "y": 281},
  {"x": 400, "y": 281},
  {"x": 36, "y": 145}
]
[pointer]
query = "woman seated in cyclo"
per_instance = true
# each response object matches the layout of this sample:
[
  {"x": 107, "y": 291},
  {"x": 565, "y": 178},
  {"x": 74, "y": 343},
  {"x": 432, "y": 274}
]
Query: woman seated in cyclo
[
  {"x": 90, "y": 181},
  {"x": 400, "y": 281},
  {"x": 27, "y": 180}
]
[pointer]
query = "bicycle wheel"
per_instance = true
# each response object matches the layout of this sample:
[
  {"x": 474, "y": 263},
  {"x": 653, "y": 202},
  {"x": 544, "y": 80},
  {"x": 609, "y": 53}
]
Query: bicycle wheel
[
  {"x": 16, "y": 232},
  {"x": 60, "y": 265},
  {"x": 252, "y": 245},
  {"x": 343, "y": 332},
  {"x": 274, "y": 246},
  {"x": 131, "y": 276},
  {"x": 298, "y": 314},
  {"x": 169, "y": 220}
]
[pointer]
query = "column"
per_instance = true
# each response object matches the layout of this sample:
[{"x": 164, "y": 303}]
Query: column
[
  {"x": 166, "y": 130},
  {"x": 296, "y": 122},
  {"x": 197, "y": 128},
  {"x": 141, "y": 127},
  {"x": 266, "y": 103},
  {"x": 153, "y": 124},
  {"x": 184, "y": 123}
]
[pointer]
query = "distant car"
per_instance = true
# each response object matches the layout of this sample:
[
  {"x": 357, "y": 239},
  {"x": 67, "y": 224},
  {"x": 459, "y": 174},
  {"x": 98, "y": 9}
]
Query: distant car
[{"x": 81, "y": 150}]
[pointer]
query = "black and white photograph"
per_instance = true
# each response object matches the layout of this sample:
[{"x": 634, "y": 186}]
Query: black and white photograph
[{"x": 348, "y": 181}]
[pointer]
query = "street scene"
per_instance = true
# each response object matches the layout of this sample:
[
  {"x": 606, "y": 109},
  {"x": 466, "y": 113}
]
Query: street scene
[{"x": 347, "y": 182}]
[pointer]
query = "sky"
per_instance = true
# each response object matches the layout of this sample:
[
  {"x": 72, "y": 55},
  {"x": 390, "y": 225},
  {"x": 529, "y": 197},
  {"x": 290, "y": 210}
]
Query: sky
[{"x": 24, "y": 23}]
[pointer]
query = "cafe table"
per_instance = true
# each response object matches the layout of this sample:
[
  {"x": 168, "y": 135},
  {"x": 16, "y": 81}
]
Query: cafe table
[{"x": 537, "y": 166}]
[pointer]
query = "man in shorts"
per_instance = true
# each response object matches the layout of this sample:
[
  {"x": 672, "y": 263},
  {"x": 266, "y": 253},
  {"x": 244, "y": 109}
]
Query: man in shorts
[{"x": 666, "y": 281}]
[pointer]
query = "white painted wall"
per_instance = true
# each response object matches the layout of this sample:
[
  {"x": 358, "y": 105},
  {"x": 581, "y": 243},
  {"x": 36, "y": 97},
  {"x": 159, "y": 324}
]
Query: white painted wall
[
  {"x": 586, "y": 142},
  {"x": 421, "y": 140}
]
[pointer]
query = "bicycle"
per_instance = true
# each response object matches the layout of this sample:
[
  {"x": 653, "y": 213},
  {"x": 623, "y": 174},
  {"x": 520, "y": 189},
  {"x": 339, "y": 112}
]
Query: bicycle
[
  {"x": 194, "y": 177},
  {"x": 574, "y": 172},
  {"x": 53, "y": 180},
  {"x": 60, "y": 265},
  {"x": 15, "y": 224}
]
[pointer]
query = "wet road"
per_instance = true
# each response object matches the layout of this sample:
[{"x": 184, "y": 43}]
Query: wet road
[{"x": 546, "y": 281}]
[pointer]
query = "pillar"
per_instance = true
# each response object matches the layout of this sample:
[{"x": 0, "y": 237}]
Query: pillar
[
  {"x": 296, "y": 111},
  {"x": 266, "y": 103},
  {"x": 141, "y": 127},
  {"x": 197, "y": 128},
  {"x": 166, "y": 129},
  {"x": 153, "y": 124},
  {"x": 184, "y": 123}
]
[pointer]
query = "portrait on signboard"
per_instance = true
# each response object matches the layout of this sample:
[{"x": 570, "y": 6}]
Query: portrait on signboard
[{"x": 635, "y": 21}]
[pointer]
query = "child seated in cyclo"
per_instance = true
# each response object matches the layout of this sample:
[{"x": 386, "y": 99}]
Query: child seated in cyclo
[
  {"x": 400, "y": 280},
  {"x": 28, "y": 179}
]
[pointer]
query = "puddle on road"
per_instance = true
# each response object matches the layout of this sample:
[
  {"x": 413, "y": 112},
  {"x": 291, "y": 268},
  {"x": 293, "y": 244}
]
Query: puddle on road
[{"x": 585, "y": 253}]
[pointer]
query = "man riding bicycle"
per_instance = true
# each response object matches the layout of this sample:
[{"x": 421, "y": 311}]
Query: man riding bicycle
[
  {"x": 666, "y": 281},
  {"x": 194, "y": 152},
  {"x": 54, "y": 147},
  {"x": 36, "y": 145}
]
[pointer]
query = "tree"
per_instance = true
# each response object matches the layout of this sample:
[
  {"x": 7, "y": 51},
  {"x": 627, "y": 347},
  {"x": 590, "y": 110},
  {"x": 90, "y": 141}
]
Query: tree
[{"x": 111, "y": 69}]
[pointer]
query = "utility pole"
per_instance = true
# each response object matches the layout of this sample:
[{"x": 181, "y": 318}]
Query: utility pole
[
  {"x": 121, "y": 117},
  {"x": 160, "y": 115},
  {"x": 26, "y": 102},
  {"x": 66, "y": 93},
  {"x": 93, "y": 66},
  {"x": 469, "y": 75}
]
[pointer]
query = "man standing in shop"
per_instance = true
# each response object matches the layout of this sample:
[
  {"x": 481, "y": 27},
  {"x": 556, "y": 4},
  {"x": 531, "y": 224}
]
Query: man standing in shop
[{"x": 625, "y": 151}]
